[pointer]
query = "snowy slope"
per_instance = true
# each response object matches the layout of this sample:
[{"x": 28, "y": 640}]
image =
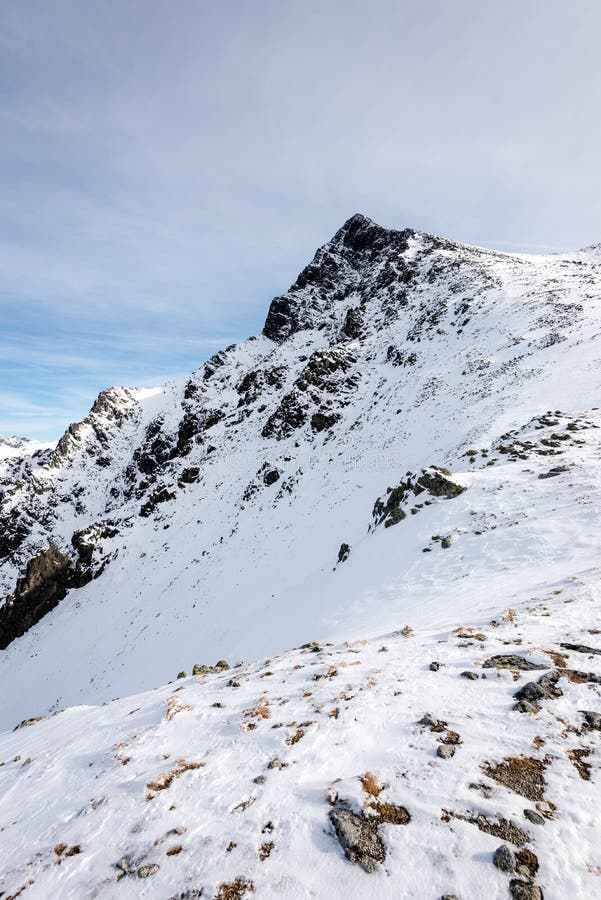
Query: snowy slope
[
  {"x": 392, "y": 352},
  {"x": 413, "y": 440}
]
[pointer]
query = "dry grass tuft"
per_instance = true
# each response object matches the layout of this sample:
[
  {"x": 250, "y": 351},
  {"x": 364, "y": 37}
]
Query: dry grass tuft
[
  {"x": 234, "y": 890},
  {"x": 175, "y": 706},
  {"x": 370, "y": 784},
  {"x": 166, "y": 779}
]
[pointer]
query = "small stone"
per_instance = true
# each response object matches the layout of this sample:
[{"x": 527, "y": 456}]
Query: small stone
[
  {"x": 358, "y": 836},
  {"x": 434, "y": 666},
  {"x": 534, "y": 817},
  {"x": 504, "y": 859},
  {"x": 276, "y": 764},
  {"x": 427, "y": 720},
  {"x": 147, "y": 871},
  {"x": 530, "y": 692},
  {"x": 445, "y": 751},
  {"x": 524, "y": 890},
  {"x": 473, "y": 676},
  {"x": 260, "y": 779},
  {"x": 182, "y": 674}
]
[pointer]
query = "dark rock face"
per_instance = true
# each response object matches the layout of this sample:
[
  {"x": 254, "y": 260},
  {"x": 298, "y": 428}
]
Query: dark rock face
[
  {"x": 435, "y": 481},
  {"x": 357, "y": 246},
  {"x": 344, "y": 553},
  {"x": 322, "y": 421},
  {"x": 358, "y": 836},
  {"x": 271, "y": 477},
  {"x": 289, "y": 416},
  {"x": 161, "y": 495},
  {"x": 46, "y": 582}
]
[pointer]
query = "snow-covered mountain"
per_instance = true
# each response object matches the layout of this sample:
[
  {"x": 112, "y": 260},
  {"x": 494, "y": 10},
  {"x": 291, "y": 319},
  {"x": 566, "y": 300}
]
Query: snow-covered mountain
[{"x": 411, "y": 441}]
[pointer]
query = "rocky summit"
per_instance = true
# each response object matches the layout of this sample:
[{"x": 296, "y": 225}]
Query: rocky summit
[{"x": 370, "y": 536}]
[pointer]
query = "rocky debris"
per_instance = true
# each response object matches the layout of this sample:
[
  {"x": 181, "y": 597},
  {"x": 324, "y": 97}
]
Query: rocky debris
[
  {"x": 554, "y": 472},
  {"x": 344, "y": 552},
  {"x": 46, "y": 581},
  {"x": 471, "y": 676},
  {"x": 501, "y": 828},
  {"x": 511, "y": 661},
  {"x": 581, "y": 648},
  {"x": 529, "y": 695},
  {"x": 359, "y": 838},
  {"x": 521, "y": 774},
  {"x": 434, "y": 666},
  {"x": 504, "y": 859},
  {"x": 524, "y": 890},
  {"x": 436, "y": 481},
  {"x": 202, "y": 669}
]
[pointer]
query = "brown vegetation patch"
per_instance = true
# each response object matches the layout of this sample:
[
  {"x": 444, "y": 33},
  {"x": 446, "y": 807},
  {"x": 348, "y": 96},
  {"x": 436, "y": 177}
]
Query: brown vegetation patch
[
  {"x": 370, "y": 784},
  {"x": 583, "y": 768},
  {"x": 521, "y": 774},
  {"x": 502, "y": 828},
  {"x": 166, "y": 779},
  {"x": 175, "y": 706},
  {"x": 234, "y": 890}
]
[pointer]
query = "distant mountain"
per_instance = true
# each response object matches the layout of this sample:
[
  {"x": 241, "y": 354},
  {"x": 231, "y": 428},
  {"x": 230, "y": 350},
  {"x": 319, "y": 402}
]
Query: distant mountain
[{"x": 400, "y": 477}]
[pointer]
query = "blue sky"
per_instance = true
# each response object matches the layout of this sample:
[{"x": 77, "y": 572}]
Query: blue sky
[{"x": 167, "y": 168}]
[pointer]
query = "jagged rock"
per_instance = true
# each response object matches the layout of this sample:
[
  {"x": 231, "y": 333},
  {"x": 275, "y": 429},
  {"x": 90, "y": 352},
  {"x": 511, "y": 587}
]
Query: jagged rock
[
  {"x": 344, "y": 552},
  {"x": 322, "y": 421},
  {"x": 434, "y": 666},
  {"x": 359, "y": 838},
  {"x": 472, "y": 676},
  {"x": 46, "y": 581}
]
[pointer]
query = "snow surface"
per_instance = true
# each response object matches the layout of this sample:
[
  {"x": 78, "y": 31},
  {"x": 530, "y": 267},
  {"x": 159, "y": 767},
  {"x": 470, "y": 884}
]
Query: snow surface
[{"x": 485, "y": 363}]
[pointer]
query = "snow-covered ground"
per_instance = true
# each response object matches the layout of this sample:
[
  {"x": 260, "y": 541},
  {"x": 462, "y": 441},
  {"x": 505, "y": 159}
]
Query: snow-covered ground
[{"x": 288, "y": 493}]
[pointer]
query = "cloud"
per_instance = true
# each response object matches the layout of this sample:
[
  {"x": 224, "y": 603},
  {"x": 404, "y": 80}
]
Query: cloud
[{"x": 164, "y": 174}]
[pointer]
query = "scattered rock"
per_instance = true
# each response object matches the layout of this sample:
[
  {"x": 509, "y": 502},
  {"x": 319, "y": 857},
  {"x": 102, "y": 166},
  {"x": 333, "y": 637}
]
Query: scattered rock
[
  {"x": 434, "y": 666},
  {"x": 344, "y": 553},
  {"x": 511, "y": 661},
  {"x": 472, "y": 676},
  {"x": 581, "y": 648},
  {"x": 504, "y": 859},
  {"x": 358, "y": 836},
  {"x": 524, "y": 890},
  {"x": 446, "y": 751},
  {"x": 148, "y": 871},
  {"x": 534, "y": 817}
]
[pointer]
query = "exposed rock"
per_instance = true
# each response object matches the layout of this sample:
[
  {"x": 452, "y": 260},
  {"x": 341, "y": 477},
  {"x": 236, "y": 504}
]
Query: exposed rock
[
  {"x": 472, "y": 676},
  {"x": 445, "y": 751},
  {"x": 358, "y": 836},
  {"x": 581, "y": 648},
  {"x": 534, "y": 817},
  {"x": 434, "y": 666},
  {"x": 148, "y": 871},
  {"x": 504, "y": 859},
  {"x": 511, "y": 661},
  {"x": 344, "y": 552},
  {"x": 322, "y": 421},
  {"x": 592, "y": 719},
  {"x": 46, "y": 581},
  {"x": 271, "y": 476},
  {"x": 524, "y": 890}
]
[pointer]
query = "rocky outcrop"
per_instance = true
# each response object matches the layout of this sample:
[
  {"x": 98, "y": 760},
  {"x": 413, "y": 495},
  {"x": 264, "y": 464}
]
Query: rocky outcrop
[{"x": 46, "y": 582}]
